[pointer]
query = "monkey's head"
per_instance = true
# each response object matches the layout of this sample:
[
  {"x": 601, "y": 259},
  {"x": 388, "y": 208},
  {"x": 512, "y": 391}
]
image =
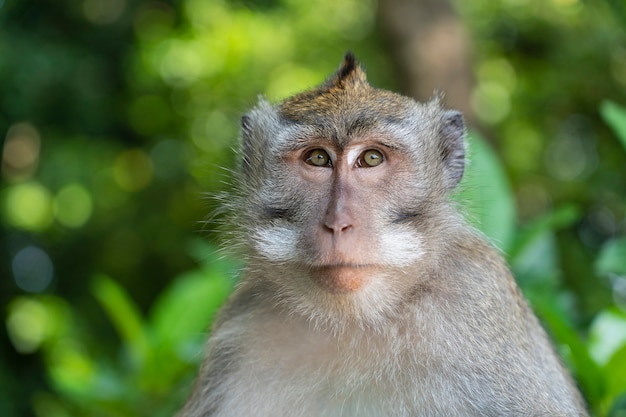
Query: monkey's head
[{"x": 345, "y": 190}]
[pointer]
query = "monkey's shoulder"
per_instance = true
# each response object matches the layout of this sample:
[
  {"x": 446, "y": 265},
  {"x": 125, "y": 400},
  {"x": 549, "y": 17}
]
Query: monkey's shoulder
[{"x": 468, "y": 256}]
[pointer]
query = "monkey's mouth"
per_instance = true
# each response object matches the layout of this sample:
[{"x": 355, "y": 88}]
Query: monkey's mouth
[{"x": 342, "y": 278}]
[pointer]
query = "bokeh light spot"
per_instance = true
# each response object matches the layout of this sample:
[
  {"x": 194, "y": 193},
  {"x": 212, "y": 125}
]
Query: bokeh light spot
[
  {"x": 73, "y": 206},
  {"x": 32, "y": 269},
  {"x": 132, "y": 170},
  {"x": 28, "y": 206},
  {"x": 26, "y": 324},
  {"x": 181, "y": 64},
  {"x": 20, "y": 154},
  {"x": 491, "y": 101},
  {"x": 571, "y": 158},
  {"x": 499, "y": 70}
]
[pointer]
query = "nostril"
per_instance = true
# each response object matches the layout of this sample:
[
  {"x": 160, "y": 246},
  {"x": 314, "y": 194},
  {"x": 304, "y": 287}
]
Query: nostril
[
  {"x": 345, "y": 227},
  {"x": 338, "y": 226}
]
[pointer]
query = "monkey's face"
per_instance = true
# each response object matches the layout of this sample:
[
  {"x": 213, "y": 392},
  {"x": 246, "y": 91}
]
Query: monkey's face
[
  {"x": 344, "y": 198},
  {"x": 347, "y": 207},
  {"x": 343, "y": 186}
]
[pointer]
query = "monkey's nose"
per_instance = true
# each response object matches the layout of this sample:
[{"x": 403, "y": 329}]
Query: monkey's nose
[{"x": 338, "y": 222}]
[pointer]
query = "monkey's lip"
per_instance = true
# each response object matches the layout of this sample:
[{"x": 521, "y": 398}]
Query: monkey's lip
[{"x": 342, "y": 278}]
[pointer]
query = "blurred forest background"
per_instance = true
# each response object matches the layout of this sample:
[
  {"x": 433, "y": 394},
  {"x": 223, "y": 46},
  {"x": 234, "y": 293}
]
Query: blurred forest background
[{"x": 118, "y": 116}]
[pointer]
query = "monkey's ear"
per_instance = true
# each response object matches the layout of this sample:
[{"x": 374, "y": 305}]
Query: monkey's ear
[
  {"x": 452, "y": 136},
  {"x": 349, "y": 73}
]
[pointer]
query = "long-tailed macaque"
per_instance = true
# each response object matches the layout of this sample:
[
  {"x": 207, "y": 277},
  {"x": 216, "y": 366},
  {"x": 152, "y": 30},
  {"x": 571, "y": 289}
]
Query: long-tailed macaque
[{"x": 364, "y": 293}]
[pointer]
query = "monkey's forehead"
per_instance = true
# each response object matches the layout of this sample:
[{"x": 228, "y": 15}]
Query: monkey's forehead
[
  {"x": 363, "y": 102},
  {"x": 400, "y": 134},
  {"x": 344, "y": 112}
]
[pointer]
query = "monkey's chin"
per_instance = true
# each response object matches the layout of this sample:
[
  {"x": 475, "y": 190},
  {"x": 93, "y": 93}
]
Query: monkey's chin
[{"x": 342, "y": 279}]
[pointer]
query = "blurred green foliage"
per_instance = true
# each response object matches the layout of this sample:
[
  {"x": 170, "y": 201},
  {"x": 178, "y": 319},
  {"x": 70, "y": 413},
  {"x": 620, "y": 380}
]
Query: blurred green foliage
[{"x": 118, "y": 114}]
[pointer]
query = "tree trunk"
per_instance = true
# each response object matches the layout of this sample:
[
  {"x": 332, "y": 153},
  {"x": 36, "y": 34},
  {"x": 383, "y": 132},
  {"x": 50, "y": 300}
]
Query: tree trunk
[{"x": 430, "y": 47}]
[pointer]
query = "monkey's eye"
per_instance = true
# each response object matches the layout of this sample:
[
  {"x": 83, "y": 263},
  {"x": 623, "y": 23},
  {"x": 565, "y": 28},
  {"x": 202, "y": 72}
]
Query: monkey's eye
[
  {"x": 318, "y": 158},
  {"x": 370, "y": 158}
]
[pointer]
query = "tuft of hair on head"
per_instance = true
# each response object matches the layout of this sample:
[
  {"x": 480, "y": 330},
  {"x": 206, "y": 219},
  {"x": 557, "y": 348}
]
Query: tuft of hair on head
[
  {"x": 349, "y": 73},
  {"x": 342, "y": 88}
]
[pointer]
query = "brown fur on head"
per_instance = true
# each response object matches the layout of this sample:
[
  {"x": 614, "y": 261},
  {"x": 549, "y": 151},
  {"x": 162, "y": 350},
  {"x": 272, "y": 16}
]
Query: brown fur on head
[
  {"x": 349, "y": 76},
  {"x": 346, "y": 94},
  {"x": 349, "y": 73}
]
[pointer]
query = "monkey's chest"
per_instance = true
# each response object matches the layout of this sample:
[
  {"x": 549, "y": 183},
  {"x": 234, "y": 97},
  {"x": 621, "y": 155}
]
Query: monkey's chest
[
  {"x": 328, "y": 377},
  {"x": 323, "y": 385}
]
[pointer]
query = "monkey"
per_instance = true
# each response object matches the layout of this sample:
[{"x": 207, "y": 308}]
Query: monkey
[{"x": 364, "y": 291}]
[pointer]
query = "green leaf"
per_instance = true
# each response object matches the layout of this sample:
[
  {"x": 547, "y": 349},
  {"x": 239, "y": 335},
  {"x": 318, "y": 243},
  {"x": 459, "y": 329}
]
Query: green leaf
[
  {"x": 536, "y": 265},
  {"x": 587, "y": 372},
  {"x": 612, "y": 258},
  {"x": 124, "y": 314},
  {"x": 180, "y": 321},
  {"x": 615, "y": 116},
  {"x": 487, "y": 195},
  {"x": 204, "y": 253},
  {"x": 534, "y": 254},
  {"x": 607, "y": 344},
  {"x": 185, "y": 309},
  {"x": 607, "y": 334},
  {"x": 557, "y": 219},
  {"x": 615, "y": 371}
]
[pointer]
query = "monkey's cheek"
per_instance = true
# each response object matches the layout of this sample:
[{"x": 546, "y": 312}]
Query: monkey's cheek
[{"x": 342, "y": 279}]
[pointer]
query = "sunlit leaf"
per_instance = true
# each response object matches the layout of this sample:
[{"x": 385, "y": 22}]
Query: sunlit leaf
[
  {"x": 607, "y": 334},
  {"x": 71, "y": 369},
  {"x": 615, "y": 116},
  {"x": 486, "y": 194},
  {"x": 123, "y": 313},
  {"x": 612, "y": 258}
]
